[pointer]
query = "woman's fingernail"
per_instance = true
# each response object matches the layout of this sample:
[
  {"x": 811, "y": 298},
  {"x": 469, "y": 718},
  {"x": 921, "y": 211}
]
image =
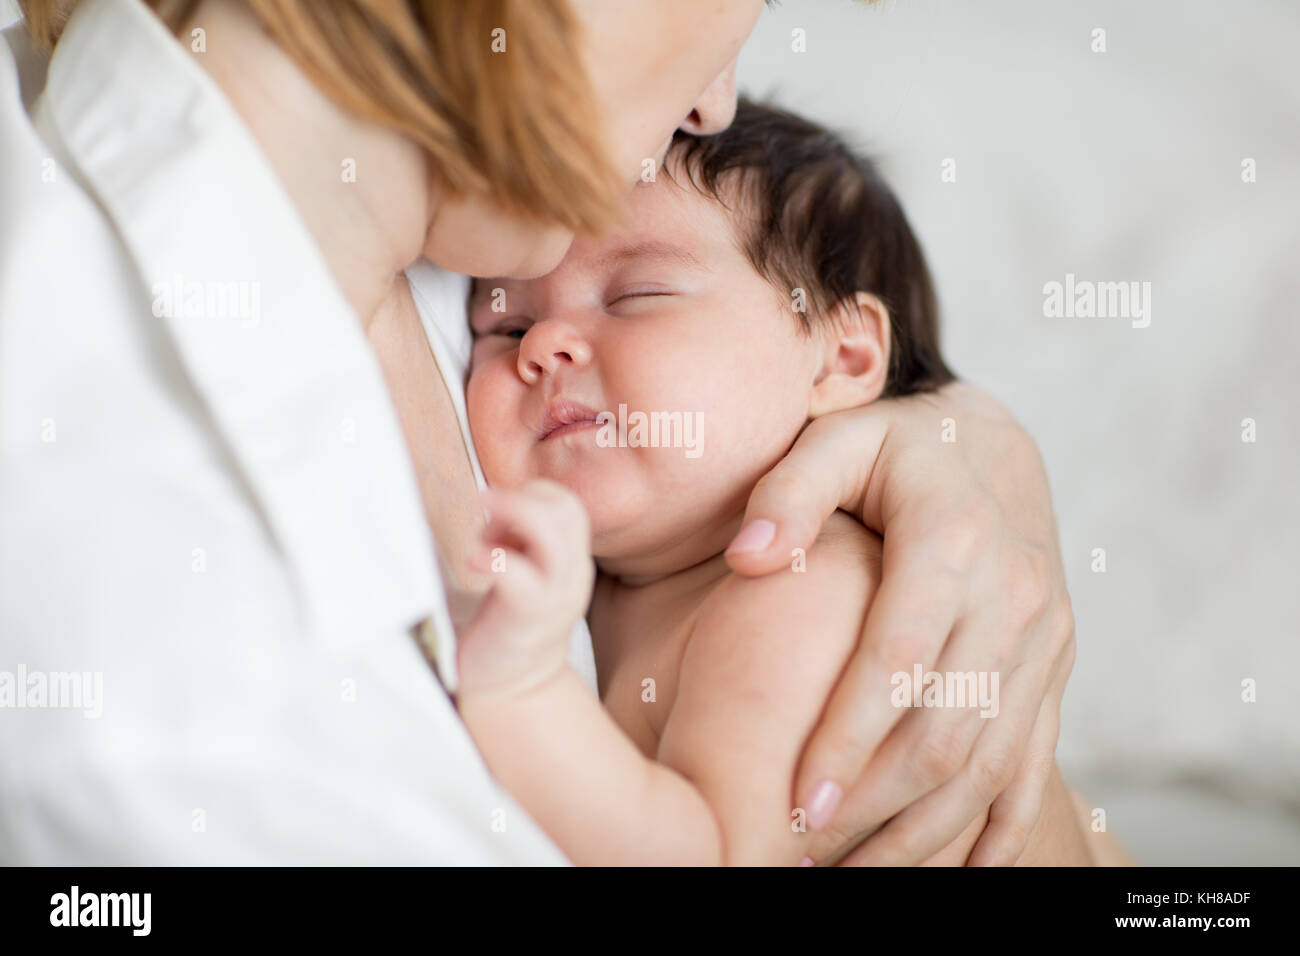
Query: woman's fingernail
[
  {"x": 807, "y": 861},
  {"x": 825, "y": 800},
  {"x": 755, "y": 536}
]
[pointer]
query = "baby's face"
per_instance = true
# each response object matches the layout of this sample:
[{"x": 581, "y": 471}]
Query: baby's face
[{"x": 668, "y": 317}]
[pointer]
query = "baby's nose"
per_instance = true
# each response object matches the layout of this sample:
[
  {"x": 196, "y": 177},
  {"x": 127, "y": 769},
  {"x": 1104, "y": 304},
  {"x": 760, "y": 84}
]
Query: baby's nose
[{"x": 549, "y": 345}]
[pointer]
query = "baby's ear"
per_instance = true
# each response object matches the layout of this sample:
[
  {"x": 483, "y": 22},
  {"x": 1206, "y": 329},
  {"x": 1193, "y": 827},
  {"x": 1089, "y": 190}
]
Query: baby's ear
[{"x": 855, "y": 358}]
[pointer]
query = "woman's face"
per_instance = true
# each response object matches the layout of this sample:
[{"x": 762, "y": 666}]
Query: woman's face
[{"x": 654, "y": 67}]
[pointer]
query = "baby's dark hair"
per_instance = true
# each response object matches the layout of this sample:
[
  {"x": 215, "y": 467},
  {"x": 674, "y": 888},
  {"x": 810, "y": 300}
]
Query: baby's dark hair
[{"x": 817, "y": 216}]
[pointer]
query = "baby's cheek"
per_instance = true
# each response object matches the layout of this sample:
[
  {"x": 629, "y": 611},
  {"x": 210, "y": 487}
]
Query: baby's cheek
[
  {"x": 763, "y": 420},
  {"x": 488, "y": 411},
  {"x": 473, "y": 403}
]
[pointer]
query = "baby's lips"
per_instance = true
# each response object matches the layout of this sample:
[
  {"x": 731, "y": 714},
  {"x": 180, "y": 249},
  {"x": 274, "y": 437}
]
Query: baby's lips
[{"x": 564, "y": 411}]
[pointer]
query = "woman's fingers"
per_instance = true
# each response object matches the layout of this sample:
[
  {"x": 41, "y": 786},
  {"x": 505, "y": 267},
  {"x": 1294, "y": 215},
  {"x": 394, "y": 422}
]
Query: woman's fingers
[
  {"x": 899, "y": 774},
  {"x": 928, "y": 824},
  {"x": 907, "y": 626},
  {"x": 958, "y": 491},
  {"x": 942, "y": 768},
  {"x": 928, "y": 747},
  {"x": 828, "y": 468},
  {"x": 1015, "y": 812}
]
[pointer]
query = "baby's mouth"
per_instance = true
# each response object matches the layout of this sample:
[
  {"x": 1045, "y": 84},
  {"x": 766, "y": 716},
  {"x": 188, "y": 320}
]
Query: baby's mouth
[{"x": 563, "y": 415}]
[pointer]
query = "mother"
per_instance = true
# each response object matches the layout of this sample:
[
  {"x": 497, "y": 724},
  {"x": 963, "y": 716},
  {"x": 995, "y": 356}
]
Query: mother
[{"x": 223, "y": 503}]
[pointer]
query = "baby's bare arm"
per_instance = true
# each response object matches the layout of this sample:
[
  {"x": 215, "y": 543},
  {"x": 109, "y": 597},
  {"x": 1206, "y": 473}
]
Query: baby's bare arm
[
  {"x": 763, "y": 656},
  {"x": 757, "y": 669},
  {"x": 755, "y": 675},
  {"x": 560, "y": 754},
  {"x": 545, "y": 736},
  {"x": 761, "y": 661}
]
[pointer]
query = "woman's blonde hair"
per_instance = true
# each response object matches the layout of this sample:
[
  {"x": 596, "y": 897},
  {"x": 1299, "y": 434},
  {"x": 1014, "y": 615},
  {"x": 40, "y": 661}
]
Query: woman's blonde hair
[{"x": 494, "y": 90}]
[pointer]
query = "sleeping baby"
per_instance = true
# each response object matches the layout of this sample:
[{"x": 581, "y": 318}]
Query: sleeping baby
[{"x": 623, "y": 407}]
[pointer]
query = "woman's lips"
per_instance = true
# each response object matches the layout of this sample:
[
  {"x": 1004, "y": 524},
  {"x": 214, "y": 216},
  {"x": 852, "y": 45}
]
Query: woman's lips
[{"x": 564, "y": 415}]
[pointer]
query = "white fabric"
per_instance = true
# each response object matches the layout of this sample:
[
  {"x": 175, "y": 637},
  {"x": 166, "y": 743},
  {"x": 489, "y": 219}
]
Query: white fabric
[
  {"x": 440, "y": 297},
  {"x": 219, "y": 515}
]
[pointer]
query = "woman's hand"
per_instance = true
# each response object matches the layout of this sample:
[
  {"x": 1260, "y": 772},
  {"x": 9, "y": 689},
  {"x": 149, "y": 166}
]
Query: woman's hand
[
  {"x": 537, "y": 544},
  {"x": 972, "y": 582}
]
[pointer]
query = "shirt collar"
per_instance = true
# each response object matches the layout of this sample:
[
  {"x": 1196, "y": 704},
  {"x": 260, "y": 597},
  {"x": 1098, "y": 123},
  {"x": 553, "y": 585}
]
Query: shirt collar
[{"x": 274, "y": 352}]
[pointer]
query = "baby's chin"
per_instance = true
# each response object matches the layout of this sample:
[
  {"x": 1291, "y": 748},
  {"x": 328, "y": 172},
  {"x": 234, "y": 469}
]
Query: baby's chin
[
  {"x": 631, "y": 553},
  {"x": 640, "y": 517},
  {"x": 612, "y": 511},
  {"x": 627, "y": 519},
  {"x": 653, "y": 536}
]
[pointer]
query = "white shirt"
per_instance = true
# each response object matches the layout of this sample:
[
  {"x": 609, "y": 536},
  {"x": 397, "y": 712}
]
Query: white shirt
[{"x": 205, "y": 500}]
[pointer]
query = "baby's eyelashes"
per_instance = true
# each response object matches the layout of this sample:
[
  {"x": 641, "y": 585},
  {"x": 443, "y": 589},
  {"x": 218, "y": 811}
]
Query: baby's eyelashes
[{"x": 483, "y": 324}]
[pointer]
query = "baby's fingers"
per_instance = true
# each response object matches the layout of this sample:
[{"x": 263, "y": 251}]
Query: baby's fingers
[{"x": 538, "y": 523}]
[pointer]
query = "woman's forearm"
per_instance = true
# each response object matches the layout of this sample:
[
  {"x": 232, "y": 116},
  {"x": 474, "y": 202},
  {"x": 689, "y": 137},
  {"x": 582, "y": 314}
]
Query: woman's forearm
[{"x": 558, "y": 751}]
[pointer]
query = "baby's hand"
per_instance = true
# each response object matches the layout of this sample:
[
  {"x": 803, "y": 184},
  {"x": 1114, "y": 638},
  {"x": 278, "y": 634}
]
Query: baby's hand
[{"x": 537, "y": 544}]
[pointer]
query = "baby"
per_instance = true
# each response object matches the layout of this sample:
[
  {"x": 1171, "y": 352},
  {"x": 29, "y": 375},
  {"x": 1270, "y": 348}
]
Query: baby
[{"x": 769, "y": 277}]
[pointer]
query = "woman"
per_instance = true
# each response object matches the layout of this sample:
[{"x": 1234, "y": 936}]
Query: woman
[{"x": 207, "y": 495}]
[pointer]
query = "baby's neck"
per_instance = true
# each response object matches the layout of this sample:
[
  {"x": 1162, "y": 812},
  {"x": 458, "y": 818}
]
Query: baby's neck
[
  {"x": 690, "y": 555},
  {"x": 640, "y": 626},
  {"x": 701, "y": 575}
]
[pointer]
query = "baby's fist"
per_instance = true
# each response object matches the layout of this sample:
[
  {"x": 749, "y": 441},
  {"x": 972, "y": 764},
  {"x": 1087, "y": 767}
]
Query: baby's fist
[{"x": 537, "y": 545}]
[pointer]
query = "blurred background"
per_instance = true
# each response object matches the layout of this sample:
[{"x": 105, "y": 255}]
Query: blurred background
[{"x": 1122, "y": 165}]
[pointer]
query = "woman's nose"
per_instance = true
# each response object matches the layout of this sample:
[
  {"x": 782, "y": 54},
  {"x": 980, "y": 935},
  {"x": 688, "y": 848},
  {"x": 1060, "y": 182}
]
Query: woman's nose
[
  {"x": 549, "y": 345},
  {"x": 716, "y": 107}
]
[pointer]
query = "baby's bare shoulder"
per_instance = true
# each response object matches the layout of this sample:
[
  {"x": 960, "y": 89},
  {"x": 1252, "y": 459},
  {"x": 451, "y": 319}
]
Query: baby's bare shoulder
[{"x": 833, "y": 578}]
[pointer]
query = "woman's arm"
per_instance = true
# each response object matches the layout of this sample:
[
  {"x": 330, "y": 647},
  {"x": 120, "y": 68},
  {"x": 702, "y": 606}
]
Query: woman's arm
[{"x": 972, "y": 580}]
